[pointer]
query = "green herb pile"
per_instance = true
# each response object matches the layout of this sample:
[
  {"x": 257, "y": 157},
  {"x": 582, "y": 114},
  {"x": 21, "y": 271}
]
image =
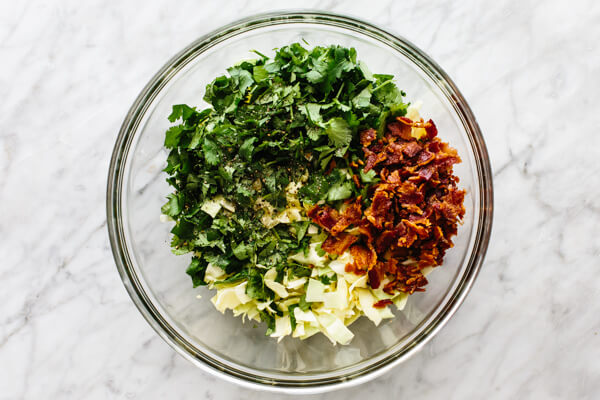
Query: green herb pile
[{"x": 271, "y": 121}]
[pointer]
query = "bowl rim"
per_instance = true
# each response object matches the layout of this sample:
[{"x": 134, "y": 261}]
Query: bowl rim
[{"x": 121, "y": 151}]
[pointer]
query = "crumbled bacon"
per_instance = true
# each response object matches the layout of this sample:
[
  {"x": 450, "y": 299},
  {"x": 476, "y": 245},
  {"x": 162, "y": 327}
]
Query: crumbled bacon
[
  {"x": 351, "y": 216},
  {"x": 425, "y": 157},
  {"x": 338, "y": 244},
  {"x": 324, "y": 216},
  {"x": 382, "y": 303},
  {"x": 401, "y": 130},
  {"x": 412, "y": 213},
  {"x": 373, "y": 159},
  {"x": 426, "y": 172},
  {"x": 364, "y": 258},
  {"x": 429, "y": 126},
  {"x": 431, "y": 130},
  {"x": 408, "y": 193},
  {"x": 415, "y": 208},
  {"x": 387, "y": 237},
  {"x": 378, "y": 212},
  {"x": 411, "y": 149},
  {"x": 376, "y": 275},
  {"x": 367, "y": 136}
]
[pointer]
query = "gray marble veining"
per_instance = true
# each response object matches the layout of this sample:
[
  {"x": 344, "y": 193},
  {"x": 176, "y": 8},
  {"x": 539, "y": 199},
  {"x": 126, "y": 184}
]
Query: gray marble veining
[{"x": 68, "y": 73}]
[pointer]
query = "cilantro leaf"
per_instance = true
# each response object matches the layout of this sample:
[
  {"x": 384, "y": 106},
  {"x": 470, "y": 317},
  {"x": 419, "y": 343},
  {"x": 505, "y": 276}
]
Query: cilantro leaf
[
  {"x": 182, "y": 111},
  {"x": 202, "y": 240},
  {"x": 299, "y": 271},
  {"x": 339, "y": 132},
  {"x": 196, "y": 271},
  {"x": 243, "y": 251},
  {"x": 292, "y": 316},
  {"x": 260, "y": 73},
  {"x": 326, "y": 280},
  {"x": 247, "y": 148},
  {"x": 386, "y": 92},
  {"x": 314, "y": 133},
  {"x": 183, "y": 229},
  {"x": 367, "y": 177},
  {"x": 301, "y": 228},
  {"x": 242, "y": 78},
  {"x": 363, "y": 99},
  {"x": 173, "y": 136},
  {"x": 256, "y": 287},
  {"x": 219, "y": 260},
  {"x": 313, "y": 112},
  {"x": 303, "y": 304},
  {"x": 172, "y": 207},
  {"x": 269, "y": 320},
  {"x": 340, "y": 191},
  {"x": 211, "y": 152}
]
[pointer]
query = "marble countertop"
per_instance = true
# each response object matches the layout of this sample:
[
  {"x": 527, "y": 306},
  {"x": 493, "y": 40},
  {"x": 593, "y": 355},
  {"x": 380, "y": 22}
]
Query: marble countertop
[{"x": 69, "y": 71}]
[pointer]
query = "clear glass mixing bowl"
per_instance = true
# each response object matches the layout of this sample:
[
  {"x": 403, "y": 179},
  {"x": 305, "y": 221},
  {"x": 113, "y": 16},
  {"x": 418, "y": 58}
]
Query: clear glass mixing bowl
[{"x": 155, "y": 278}]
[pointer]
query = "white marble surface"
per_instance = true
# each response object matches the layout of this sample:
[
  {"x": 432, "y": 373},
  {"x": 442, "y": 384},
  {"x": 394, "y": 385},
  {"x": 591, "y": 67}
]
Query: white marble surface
[{"x": 69, "y": 71}]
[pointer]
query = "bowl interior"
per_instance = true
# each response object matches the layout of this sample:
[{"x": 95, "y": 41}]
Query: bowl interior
[{"x": 201, "y": 330}]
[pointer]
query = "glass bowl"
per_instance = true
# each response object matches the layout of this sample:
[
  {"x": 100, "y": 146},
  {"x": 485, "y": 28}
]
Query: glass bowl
[{"x": 156, "y": 279}]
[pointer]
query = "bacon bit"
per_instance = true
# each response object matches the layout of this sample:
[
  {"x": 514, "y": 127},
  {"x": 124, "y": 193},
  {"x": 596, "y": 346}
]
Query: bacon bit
[
  {"x": 421, "y": 231},
  {"x": 408, "y": 193},
  {"x": 377, "y": 213},
  {"x": 373, "y": 159},
  {"x": 366, "y": 229},
  {"x": 356, "y": 181},
  {"x": 407, "y": 239},
  {"x": 394, "y": 154},
  {"x": 412, "y": 208},
  {"x": 351, "y": 268},
  {"x": 353, "y": 164},
  {"x": 367, "y": 136},
  {"x": 384, "y": 174},
  {"x": 431, "y": 130},
  {"x": 405, "y": 121},
  {"x": 391, "y": 266},
  {"x": 385, "y": 239},
  {"x": 324, "y": 216},
  {"x": 400, "y": 130},
  {"x": 426, "y": 172},
  {"x": 351, "y": 216},
  {"x": 411, "y": 149},
  {"x": 418, "y": 124},
  {"x": 409, "y": 279},
  {"x": 393, "y": 178},
  {"x": 382, "y": 303},
  {"x": 338, "y": 244},
  {"x": 363, "y": 257},
  {"x": 376, "y": 275},
  {"x": 425, "y": 157}
]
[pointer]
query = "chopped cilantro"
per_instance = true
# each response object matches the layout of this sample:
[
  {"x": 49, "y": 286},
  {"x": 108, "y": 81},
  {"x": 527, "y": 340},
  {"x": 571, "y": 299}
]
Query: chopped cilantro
[
  {"x": 303, "y": 304},
  {"x": 292, "y": 315}
]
